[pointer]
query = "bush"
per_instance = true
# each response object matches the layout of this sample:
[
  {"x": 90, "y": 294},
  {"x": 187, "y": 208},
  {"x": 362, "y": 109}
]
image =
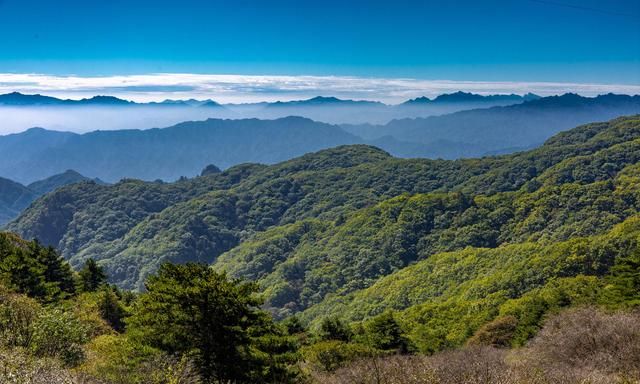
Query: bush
[
  {"x": 466, "y": 366},
  {"x": 59, "y": 334},
  {"x": 586, "y": 342},
  {"x": 497, "y": 333},
  {"x": 333, "y": 354},
  {"x": 18, "y": 314},
  {"x": 19, "y": 367},
  {"x": 115, "y": 359}
]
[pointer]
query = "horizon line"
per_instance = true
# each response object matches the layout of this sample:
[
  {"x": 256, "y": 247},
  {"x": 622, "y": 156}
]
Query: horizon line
[{"x": 247, "y": 89}]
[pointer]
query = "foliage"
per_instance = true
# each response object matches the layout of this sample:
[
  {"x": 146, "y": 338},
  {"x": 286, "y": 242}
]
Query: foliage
[
  {"x": 331, "y": 354},
  {"x": 497, "y": 333},
  {"x": 29, "y": 268},
  {"x": 383, "y": 332},
  {"x": 577, "y": 346},
  {"x": 365, "y": 254},
  {"x": 18, "y": 314},
  {"x": 119, "y": 360},
  {"x": 111, "y": 309},
  {"x": 191, "y": 310},
  {"x": 59, "y": 334},
  {"x": 332, "y": 328},
  {"x": 92, "y": 276}
]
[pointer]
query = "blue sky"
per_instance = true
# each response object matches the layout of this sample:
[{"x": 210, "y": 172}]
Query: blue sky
[{"x": 568, "y": 41}]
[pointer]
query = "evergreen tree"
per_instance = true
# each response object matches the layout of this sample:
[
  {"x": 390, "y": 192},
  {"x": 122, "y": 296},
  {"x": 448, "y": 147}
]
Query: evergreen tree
[
  {"x": 92, "y": 276},
  {"x": 333, "y": 328},
  {"x": 190, "y": 309},
  {"x": 19, "y": 270},
  {"x": 111, "y": 310},
  {"x": 57, "y": 272},
  {"x": 624, "y": 281},
  {"x": 385, "y": 333}
]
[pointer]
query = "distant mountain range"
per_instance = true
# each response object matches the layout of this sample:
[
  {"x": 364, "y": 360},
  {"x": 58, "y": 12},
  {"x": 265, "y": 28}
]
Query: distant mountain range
[
  {"x": 20, "y": 99},
  {"x": 186, "y": 148},
  {"x": 465, "y": 97},
  {"x": 108, "y": 112},
  {"x": 15, "y": 197},
  {"x": 496, "y": 130},
  {"x": 169, "y": 153}
]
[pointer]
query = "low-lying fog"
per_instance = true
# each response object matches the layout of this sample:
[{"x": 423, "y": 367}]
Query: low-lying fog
[{"x": 82, "y": 119}]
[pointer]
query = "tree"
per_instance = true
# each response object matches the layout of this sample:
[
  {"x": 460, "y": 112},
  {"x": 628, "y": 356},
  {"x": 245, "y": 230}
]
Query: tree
[
  {"x": 92, "y": 276},
  {"x": 624, "y": 281},
  {"x": 333, "y": 328},
  {"x": 385, "y": 333},
  {"x": 210, "y": 170},
  {"x": 111, "y": 310},
  {"x": 497, "y": 333},
  {"x": 192, "y": 310},
  {"x": 57, "y": 273},
  {"x": 293, "y": 325}
]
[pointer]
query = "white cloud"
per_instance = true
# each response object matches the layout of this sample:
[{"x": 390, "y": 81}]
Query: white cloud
[{"x": 251, "y": 88}]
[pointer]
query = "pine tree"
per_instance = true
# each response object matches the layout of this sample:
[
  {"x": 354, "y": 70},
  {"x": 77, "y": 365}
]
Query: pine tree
[
  {"x": 57, "y": 273},
  {"x": 333, "y": 328},
  {"x": 385, "y": 333},
  {"x": 111, "y": 310},
  {"x": 92, "y": 276},
  {"x": 190, "y": 309}
]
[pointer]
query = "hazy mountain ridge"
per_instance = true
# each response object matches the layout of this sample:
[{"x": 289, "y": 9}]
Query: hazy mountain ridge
[
  {"x": 109, "y": 113},
  {"x": 184, "y": 149},
  {"x": 168, "y": 153},
  {"x": 15, "y": 197},
  {"x": 477, "y": 132},
  {"x": 20, "y": 99}
]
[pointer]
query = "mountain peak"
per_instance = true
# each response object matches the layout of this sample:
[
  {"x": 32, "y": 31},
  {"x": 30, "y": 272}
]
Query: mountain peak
[{"x": 102, "y": 99}]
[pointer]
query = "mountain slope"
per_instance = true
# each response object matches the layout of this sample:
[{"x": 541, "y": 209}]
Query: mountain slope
[
  {"x": 476, "y": 132},
  {"x": 445, "y": 298},
  {"x": 15, "y": 197},
  {"x": 181, "y": 150},
  {"x": 385, "y": 238},
  {"x": 54, "y": 182},
  {"x": 355, "y": 191}
]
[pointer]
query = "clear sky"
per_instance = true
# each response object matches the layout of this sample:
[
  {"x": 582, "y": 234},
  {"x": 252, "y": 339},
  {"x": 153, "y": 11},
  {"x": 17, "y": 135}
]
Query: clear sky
[{"x": 570, "y": 41}]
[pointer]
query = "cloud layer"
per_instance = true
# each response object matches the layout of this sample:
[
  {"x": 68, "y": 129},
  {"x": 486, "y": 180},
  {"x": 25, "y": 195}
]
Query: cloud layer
[{"x": 252, "y": 88}]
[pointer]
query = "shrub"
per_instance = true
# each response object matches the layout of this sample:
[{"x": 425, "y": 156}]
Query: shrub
[
  {"x": 59, "y": 334},
  {"x": 333, "y": 354},
  {"x": 18, "y": 313},
  {"x": 19, "y": 367},
  {"x": 586, "y": 342},
  {"x": 116, "y": 359},
  {"x": 497, "y": 333}
]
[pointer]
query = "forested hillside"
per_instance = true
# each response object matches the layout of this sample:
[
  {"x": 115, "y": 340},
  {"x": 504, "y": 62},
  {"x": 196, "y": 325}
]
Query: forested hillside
[
  {"x": 64, "y": 327},
  {"x": 319, "y": 232},
  {"x": 371, "y": 263},
  {"x": 15, "y": 197}
]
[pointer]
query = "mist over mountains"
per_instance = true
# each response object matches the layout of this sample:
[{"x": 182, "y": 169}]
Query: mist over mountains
[
  {"x": 186, "y": 148},
  {"x": 21, "y": 112},
  {"x": 480, "y": 132}
]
